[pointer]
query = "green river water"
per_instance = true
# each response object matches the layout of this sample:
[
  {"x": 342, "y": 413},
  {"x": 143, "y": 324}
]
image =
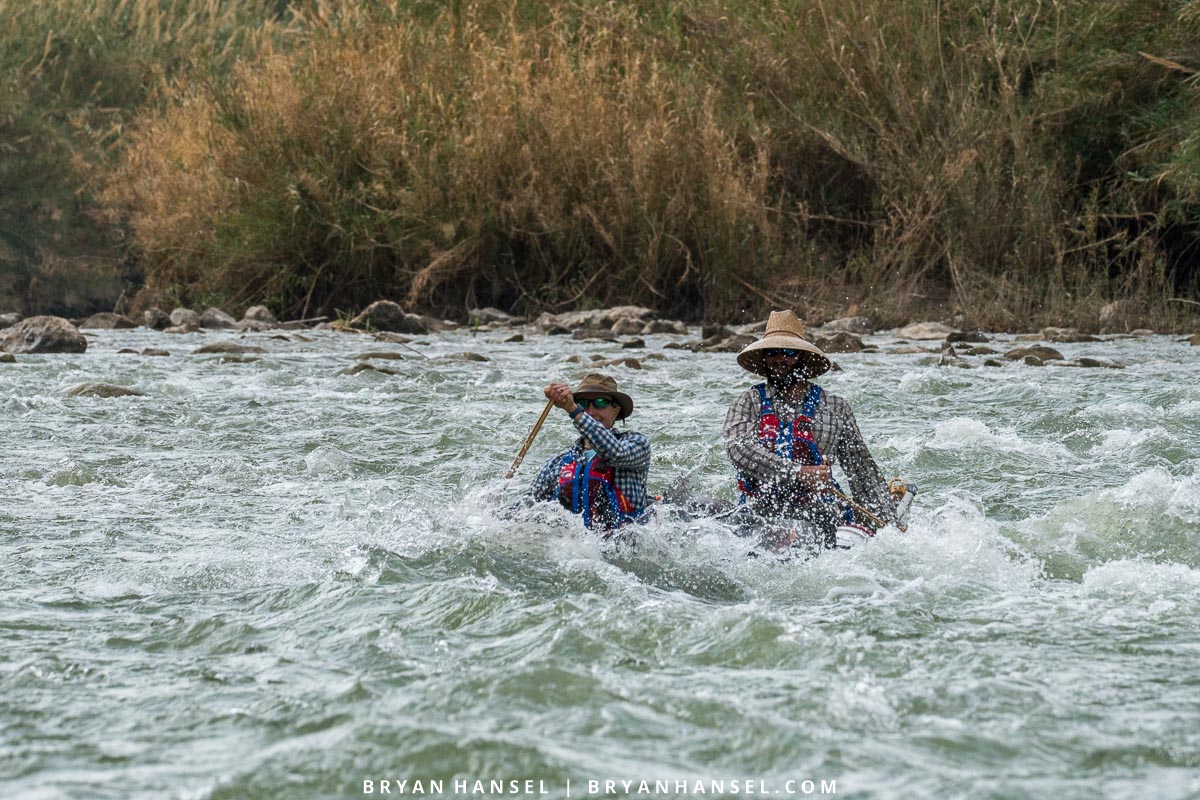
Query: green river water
[{"x": 273, "y": 579}]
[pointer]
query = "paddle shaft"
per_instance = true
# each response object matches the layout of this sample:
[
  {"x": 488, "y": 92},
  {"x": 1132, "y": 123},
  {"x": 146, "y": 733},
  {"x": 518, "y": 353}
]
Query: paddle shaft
[
  {"x": 873, "y": 518},
  {"x": 537, "y": 426}
]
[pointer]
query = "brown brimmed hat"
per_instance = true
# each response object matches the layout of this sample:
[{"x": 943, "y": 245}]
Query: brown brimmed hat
[
  {"x": 596, "y": 385},
  {"x": 784, "y": 331}
]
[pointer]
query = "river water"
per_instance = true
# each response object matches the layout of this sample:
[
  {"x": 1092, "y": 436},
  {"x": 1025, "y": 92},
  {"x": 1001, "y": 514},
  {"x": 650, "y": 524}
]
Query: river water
[{"x": 273, "y": 579}]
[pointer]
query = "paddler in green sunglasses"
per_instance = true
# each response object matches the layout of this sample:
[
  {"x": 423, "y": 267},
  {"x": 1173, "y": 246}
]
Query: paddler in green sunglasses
[{"x": 602, "y": 476}]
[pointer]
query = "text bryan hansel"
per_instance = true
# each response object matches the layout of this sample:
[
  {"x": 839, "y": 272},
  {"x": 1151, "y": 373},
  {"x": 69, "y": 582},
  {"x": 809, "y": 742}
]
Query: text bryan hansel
[{"x": 438, "y": 787}]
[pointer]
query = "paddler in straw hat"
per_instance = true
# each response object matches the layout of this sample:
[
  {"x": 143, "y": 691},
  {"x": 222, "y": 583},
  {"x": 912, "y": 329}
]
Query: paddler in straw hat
[
  {"x": 602, "y": 476},
  {"x": 784, "y": 435}
]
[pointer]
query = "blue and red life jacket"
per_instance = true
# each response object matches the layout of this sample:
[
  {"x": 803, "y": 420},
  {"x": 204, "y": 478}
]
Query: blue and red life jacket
[
  {"x": 795, "y": 442},
  {"x": 588, "y": 486}
]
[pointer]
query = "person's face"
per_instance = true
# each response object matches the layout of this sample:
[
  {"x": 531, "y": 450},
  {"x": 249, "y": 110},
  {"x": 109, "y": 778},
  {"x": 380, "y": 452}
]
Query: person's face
[
  {"x": 781, "y": 362},
  {"x": 606, "y": 416}
]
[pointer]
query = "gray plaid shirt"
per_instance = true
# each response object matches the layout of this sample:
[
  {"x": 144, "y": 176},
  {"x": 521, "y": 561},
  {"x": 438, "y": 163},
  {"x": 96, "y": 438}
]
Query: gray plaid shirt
[
  {"x": 627, "y": 452},
  {"x": 836, "y": 433}
]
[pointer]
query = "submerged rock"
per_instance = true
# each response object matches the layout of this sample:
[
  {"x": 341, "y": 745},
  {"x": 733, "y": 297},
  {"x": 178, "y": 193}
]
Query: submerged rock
[
  {"x": 96, "y": 389},
  {"x": 1040, "y": 352},
  {"x": 43, "y": 335},
  {"x": 357, "y": 368},
  {"x": 381, "y": 355},
  {"x": 632, "y": 363},
  {"x": 1105, "y": 363},
  {"x": 228, "y": 348},
  {"x": 466, "y": 356}
]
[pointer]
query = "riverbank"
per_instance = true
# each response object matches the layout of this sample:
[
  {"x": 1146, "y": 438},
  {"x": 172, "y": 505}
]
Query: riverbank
[{"x": 706, "y": 160}]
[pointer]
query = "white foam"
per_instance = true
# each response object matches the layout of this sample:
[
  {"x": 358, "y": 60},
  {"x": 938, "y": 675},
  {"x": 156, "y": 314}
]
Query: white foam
[{"x": 964, "y": 433}]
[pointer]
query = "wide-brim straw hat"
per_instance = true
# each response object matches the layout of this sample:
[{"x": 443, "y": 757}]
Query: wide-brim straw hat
[
  {"x": 784, "y": 331},
  {"x": 596, "y": 385}
]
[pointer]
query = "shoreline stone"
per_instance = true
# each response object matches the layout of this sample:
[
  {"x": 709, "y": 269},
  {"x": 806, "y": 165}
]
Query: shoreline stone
[{"x": 43, "y": 334}]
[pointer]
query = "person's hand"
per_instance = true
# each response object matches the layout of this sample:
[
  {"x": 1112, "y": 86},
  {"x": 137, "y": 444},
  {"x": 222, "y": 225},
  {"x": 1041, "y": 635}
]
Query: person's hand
[
  {"x": 814, "y": 478},
  {"x": 561, "y": 395}
]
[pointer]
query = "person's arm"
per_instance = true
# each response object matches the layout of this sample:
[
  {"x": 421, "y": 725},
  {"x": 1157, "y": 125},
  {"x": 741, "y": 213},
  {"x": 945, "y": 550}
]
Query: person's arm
[
  {"x": 867, "y": 485},
  {"x": 750, "y": 458},
  {"x": 545, "y": 484},
  {"x": 630, "y": 451}
]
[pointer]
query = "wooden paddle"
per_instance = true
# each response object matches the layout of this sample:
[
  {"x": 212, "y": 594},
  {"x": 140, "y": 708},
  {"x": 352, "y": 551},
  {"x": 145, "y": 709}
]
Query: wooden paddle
[{"x": 537, "y": 426}]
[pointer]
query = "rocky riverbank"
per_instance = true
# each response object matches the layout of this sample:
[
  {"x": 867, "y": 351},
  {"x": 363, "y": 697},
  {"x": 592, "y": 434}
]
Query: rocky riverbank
[{"x": 622, "y": 328}]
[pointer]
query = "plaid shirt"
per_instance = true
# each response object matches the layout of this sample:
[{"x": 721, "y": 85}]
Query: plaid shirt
[
  {"x": 627, "y": 452},
  {"x": 835, "y": 431}
]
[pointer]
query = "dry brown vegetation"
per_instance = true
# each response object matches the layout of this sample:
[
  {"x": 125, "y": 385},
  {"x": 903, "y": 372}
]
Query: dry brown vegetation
[{"x": 891, "y": 156}]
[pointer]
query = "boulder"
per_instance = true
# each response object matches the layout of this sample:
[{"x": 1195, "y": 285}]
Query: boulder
[
  {"x": 185, "y": 318},
  {"x": 357, "y": 368},
  {"x": 1194, "y": 340},
  {"x": 466, "y": 356},
  {"x": 384, "y": 315},
  {"x": 925, "y": 331},
  {"x": 1039, "y": 352},
  {"x": 1103, "y": 363},
  {"x": 1033, "y": 361},
  {"x": 9, "y": 319},
  {"x": 716, "y": 332},
  {"x": 108, "y": 321},
  {"x": 156, "y": 318},
  {"x": 859, "y": 325},
  {"x": 981, "y": 351},
  {"x": 664, "y": 326},
  {"x": 593, "y": 333},
  {"x": 489, "y": 315},
  {"x": 7, "y": 358},
  {"x": 633, "y": 344},
  {"x": 727, "y": 344},
  {"x": 1141, "y": 332},
  {"x": 43, "y": 335},
  {"x": 839, "y": 342},
  {"x": 515, "y": 338},
  {"x": 627, "y": 326},
  {"x": 259, "y": 314},
  {"x": 103, "y": 390},
  {"x": 227, "y": 348},
  {"x": 966, "y": 337},
  {"x": 1067, "y": 335},
  {"x": 601, "y": 318},
  {"x": 216, "y": 319}
]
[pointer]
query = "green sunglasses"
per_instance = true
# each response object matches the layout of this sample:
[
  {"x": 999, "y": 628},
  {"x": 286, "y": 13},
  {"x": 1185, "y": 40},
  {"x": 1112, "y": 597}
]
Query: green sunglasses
[{"x": 599, "y": 402}]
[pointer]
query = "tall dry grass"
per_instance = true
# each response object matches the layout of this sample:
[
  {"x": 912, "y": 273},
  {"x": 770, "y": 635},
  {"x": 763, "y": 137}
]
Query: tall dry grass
[
  {"x": 447, "y": 164},
  {"x": 887, "y": 155}
]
